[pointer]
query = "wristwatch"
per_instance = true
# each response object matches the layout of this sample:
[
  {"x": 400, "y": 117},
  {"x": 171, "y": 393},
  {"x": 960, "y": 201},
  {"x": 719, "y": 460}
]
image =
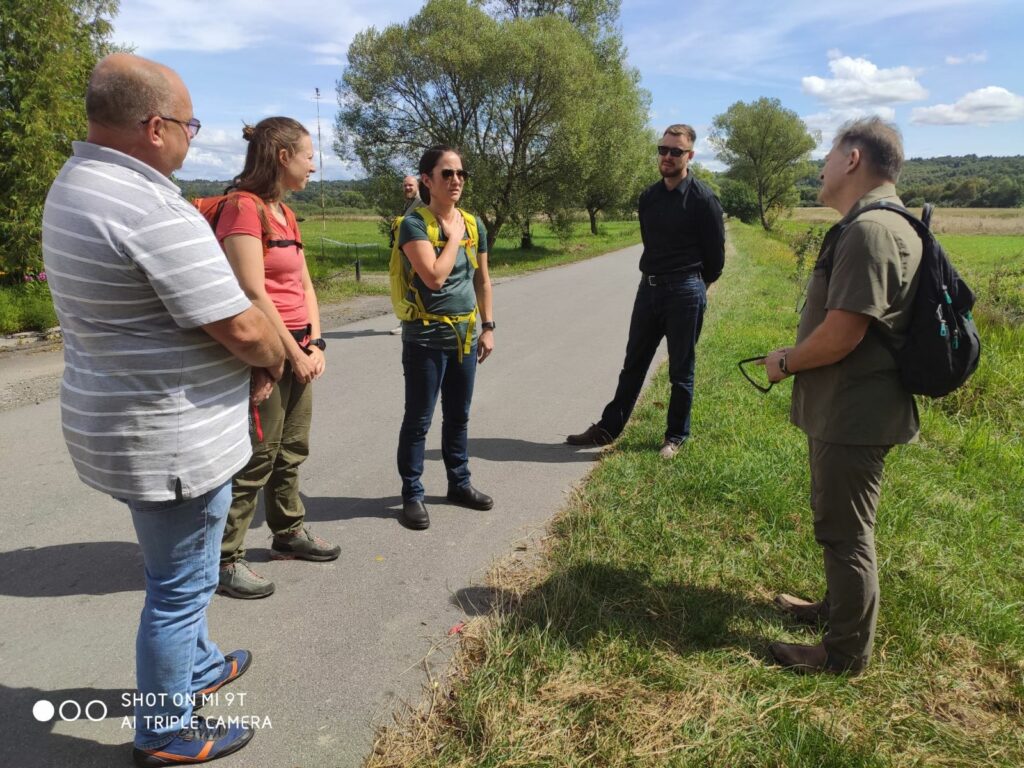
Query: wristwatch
[
  {"x": 318, "y": 343},
  {"x": 488, "y": 326},
  {"x": 782, "y": 366}
]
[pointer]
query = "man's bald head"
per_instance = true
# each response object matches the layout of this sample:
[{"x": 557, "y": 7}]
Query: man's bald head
[{"x": 126, "y": 89}]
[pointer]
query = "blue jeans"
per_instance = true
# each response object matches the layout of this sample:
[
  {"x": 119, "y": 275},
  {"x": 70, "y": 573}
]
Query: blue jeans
[
  {"x": 427, "y": 372},
  {"x": 675, "y": 312},
  {"x": 174, "y": 656}
]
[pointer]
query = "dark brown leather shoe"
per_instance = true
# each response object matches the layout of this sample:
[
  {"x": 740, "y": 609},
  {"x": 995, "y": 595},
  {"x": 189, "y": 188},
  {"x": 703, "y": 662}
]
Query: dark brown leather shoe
[
  {"x": 414, "y": 515},
  {"x": 807, "y": 659},
  {"x": 468, "y": 496},
  {"x": 593, "y": 435},
  {"x": 803, "y": 611}
]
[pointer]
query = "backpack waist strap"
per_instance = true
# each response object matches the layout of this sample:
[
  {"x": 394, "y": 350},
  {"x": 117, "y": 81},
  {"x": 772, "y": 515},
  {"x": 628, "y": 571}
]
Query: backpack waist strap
[{"x": 452, "y": 321}]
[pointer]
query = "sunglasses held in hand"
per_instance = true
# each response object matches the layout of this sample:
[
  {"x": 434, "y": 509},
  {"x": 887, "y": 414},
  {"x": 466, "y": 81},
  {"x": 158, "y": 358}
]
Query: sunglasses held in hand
[{"x": 750, "y": 361}]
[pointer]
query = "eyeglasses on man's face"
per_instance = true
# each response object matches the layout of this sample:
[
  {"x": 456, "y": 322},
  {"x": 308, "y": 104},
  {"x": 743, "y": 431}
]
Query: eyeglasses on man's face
[
  {"x": 191, "y": 126},
  {"x": 674, "y": 151},
  {"x": 448, "y": 173}
]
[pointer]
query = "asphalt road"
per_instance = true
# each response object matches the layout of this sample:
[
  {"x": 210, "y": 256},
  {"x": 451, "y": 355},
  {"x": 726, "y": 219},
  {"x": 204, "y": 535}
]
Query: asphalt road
[{"x": 339, "y": 646}]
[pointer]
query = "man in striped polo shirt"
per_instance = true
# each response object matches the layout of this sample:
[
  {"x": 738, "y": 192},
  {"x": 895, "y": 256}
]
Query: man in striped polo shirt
[{"x": 162, "y": 352}]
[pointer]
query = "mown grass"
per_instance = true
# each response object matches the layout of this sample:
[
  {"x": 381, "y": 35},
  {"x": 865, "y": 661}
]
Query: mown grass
[{"x": 639, "y": 636}]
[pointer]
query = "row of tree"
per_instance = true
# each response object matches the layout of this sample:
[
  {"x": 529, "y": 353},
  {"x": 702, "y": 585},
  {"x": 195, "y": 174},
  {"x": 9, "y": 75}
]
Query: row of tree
[
  {"x": 47, "y": 50},
  {"x": 536, "y": 94},
  {"x": 338, "y": 193},
  {"x": 967, "y": 181}
]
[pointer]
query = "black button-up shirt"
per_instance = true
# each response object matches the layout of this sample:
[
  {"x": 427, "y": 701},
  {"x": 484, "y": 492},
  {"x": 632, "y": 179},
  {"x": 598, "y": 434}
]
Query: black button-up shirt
[{"x": 682, "y": 230}]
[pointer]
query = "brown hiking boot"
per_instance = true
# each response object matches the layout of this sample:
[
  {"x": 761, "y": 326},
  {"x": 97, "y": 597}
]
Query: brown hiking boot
[
  {"x": 809, "y": 659},
  {"x": 593, "y": 435},
  {"x": 803, "y": 611}
]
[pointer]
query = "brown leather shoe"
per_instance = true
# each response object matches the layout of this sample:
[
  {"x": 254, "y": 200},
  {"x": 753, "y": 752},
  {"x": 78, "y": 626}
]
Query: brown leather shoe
[
  {"x": 803, "y": 611},
  {"x": 593, "y": 435},
  {"x": 807, "y": 659}
]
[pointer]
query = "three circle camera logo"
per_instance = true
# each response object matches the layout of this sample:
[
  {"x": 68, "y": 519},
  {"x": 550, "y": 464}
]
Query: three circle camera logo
[{"x": 69, "y": 711}]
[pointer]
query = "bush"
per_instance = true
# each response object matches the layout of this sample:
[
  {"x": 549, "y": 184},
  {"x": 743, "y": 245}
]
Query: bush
[{"x": 739, "y": 201}]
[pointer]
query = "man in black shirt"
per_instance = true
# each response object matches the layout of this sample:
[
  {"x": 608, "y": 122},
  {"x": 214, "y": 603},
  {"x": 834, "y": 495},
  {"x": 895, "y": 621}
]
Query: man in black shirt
[{"x": 684, "y": 252}]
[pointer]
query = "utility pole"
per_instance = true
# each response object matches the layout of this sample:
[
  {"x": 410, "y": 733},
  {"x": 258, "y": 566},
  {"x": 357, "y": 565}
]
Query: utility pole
[{"x": 323, "y": 204}]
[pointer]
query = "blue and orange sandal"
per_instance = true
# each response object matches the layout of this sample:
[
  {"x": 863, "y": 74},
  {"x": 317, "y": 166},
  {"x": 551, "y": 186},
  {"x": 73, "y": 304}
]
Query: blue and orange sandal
[{"x": 208, "y": 741}]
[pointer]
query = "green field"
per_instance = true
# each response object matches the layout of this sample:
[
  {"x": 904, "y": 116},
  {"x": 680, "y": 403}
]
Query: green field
[
  {"x": 638, "y": 637},
  {"x": 333, "y": 266}
]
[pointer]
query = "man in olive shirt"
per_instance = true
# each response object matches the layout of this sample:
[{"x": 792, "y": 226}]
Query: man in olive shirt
[
  {"x": 847, "y": 395},
  {"x": 684, "y": 252}
]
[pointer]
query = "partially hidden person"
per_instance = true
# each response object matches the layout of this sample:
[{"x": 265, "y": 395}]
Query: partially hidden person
[{"x": 261, "y": 238}]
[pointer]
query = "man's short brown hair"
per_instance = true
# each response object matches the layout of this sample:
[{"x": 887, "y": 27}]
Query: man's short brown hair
[
  {"x": 879, "y": 142},
  {"x": 120, "y": 96},
  {"x": 682, "y": 129}
]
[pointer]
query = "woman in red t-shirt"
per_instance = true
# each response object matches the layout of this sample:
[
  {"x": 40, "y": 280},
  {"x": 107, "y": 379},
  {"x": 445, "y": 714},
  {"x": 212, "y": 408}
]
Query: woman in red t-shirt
[{"x": 263, "y": 243}]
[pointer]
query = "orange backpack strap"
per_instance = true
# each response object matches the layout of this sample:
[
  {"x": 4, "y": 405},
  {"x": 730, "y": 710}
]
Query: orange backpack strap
[{"x": 293, "y": 227}]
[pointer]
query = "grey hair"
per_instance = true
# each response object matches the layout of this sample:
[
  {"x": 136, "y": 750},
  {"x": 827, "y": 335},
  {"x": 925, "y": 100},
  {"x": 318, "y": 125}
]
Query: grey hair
[{"x": 880, "y": 144}]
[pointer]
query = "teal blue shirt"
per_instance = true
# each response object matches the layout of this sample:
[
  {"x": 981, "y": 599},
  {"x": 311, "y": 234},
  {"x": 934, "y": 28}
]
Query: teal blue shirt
[{"x": 455, "y": 297}]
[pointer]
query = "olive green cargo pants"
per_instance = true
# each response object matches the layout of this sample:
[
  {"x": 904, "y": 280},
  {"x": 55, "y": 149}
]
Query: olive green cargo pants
[
  {"x": 846, "y": 482},
  {"x": 285, "y": 418}
]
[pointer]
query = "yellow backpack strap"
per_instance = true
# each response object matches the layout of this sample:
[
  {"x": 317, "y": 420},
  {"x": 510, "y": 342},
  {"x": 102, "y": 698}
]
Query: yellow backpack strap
[
  {"x": 433, "y": 228},
  {"x": 473, "y": 238}
]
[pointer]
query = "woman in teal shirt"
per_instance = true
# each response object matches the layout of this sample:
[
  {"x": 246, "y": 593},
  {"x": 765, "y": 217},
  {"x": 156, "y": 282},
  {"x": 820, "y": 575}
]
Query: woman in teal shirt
[{"x": 441, "y": 349}]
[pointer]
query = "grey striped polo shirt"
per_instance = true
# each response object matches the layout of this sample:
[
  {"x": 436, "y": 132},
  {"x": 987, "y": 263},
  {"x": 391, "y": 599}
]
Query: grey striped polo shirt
[{"x": 151, "y": 406}]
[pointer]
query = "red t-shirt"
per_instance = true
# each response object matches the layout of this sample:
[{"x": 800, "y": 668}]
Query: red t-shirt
[{"x": 282, "y": 268}]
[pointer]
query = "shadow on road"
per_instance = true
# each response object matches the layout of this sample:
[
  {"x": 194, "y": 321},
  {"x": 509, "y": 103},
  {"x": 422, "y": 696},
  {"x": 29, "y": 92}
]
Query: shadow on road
[
  {"x": 355, "y": 334},
  {"x": 323, "y": 508},
  {"x": 88, "y": 568},
  {"x": 508, "y": 449},
  {"x": 28, "y": 743}
]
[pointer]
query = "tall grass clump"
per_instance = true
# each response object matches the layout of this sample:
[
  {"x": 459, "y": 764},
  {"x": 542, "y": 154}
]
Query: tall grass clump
[{"x": 27, "y": 306}]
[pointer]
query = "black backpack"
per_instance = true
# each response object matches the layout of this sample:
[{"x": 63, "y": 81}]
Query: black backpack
[{"x": 942, "y": 347}]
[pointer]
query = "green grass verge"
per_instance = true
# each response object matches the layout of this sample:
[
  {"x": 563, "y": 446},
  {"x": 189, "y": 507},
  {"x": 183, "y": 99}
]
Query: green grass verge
[
  {"x": 26, "y": 308},
  {"x": 641, "y": 640}
]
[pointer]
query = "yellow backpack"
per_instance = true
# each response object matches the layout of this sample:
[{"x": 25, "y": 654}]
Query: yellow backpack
[{"x": 406, "y": 300}]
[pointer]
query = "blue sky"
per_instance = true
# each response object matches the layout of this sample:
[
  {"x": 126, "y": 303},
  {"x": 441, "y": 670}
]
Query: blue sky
[{"x": 948, "y": 72}]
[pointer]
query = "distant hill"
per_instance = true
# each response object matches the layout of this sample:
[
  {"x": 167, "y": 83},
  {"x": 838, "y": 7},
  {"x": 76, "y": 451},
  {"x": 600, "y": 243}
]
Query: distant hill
[
  {"x": 337, "y": 194},
  {"x": 967, "y": 181}
]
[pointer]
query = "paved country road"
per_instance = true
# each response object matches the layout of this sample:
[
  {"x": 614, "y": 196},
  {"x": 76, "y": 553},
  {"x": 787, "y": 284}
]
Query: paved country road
[{"x": 340, "y": 645}]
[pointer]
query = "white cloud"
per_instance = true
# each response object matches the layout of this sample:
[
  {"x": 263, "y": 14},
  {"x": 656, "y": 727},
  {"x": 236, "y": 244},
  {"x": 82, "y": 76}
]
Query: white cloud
[
  {"x": 747, "y": 41},
  {"x": 981, "y": 107},
  {"x": 827, "y": 123},
  {"x": 219, "y": 153},
  {"x": 970, "y": 58},
  {"x": 231, "y": 25},
  {"x": 860, "y": 83}
]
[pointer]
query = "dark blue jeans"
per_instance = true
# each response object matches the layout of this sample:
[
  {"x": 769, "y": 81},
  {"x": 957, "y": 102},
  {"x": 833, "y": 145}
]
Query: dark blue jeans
[
  {"x": 675, "y": 312},
  {"x": 427, "y": 372}
]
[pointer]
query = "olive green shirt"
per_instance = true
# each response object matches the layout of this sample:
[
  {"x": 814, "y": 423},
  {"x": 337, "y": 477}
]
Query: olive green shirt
[{"x": 859, "y": 400}]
